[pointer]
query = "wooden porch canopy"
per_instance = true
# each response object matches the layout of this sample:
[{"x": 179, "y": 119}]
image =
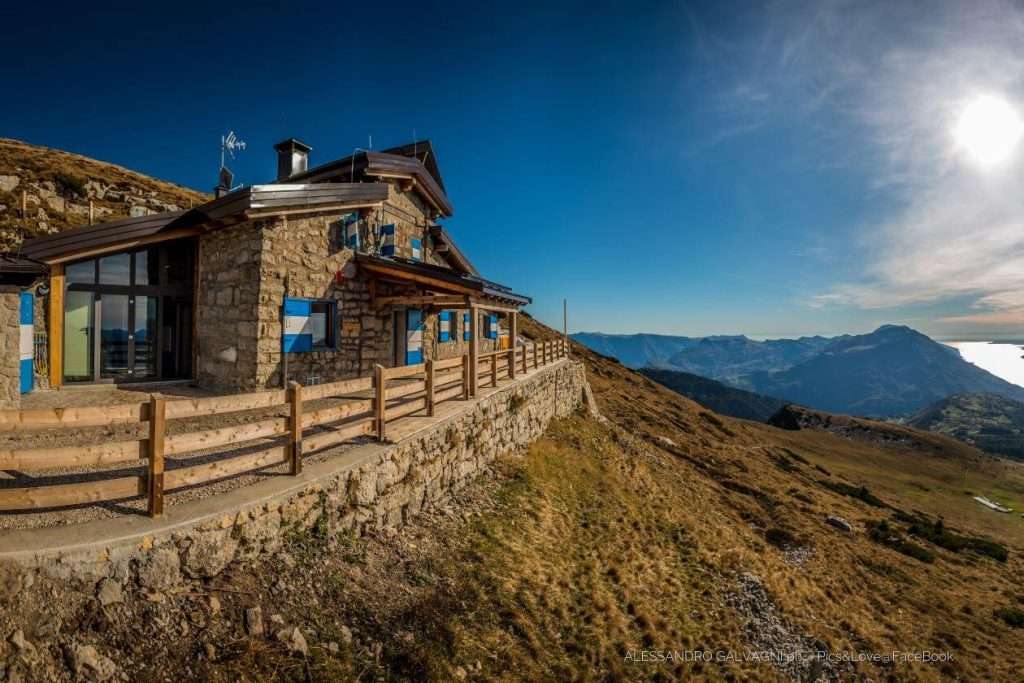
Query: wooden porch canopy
[{"x": 438, "y": 287}]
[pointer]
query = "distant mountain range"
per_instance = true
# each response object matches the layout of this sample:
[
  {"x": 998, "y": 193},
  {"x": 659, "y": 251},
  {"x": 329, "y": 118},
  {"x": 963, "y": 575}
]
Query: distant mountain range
[
  {"x": 733, "y": 359},
  {"x": 992, "y": 423},
  {"x": 891, "y": 372},
  {"x": 719, "y": 397},
  {"x": 636, "y": 350}
]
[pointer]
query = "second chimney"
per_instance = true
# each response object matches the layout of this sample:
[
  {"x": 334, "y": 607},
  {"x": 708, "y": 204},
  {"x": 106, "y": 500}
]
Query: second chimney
[{"x": 292, "y": 158}]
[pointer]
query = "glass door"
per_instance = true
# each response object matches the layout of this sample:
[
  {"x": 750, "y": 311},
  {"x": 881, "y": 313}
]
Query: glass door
[
  {"x": 144, "y": 358},
  {"x": 79, "y": 329},
  {"x": 115, "y": 337}
]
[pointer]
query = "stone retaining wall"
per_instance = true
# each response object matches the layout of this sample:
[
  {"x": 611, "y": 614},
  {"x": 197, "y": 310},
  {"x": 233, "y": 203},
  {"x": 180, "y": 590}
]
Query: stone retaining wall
[{"x": 382, "y": 488}]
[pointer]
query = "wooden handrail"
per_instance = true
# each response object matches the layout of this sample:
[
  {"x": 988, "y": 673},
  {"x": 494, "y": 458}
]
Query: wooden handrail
[{"x": 441, "y": 381}]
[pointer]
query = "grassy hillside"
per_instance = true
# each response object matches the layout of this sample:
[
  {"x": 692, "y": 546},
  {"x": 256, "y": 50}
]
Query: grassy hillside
[
  {"x": 608, "y": 549},
  {"x": 991, "y": 422},
  {"x": 59, "y": 185},
  {"x": 722, "y": 399}
]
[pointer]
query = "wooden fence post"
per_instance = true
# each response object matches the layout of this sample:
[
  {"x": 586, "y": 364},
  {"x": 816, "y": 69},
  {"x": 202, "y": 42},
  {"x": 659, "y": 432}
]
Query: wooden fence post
[
  {"x": 295, "y": 427},
  {"x": 494, "y": 371},
  {"x": 465, "y": 377},
  {"x": 429, "y": 381},
  {"x": 525, "y": 369},
  {"x": 512, "y": 363},
  {"x": 380, "y": 399},
  {"x": 157, "y": 429},
  {"x": 535, "y": 365}
]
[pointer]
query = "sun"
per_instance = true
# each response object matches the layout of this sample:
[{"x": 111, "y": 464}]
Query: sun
[{"x": 988, "y": 130}]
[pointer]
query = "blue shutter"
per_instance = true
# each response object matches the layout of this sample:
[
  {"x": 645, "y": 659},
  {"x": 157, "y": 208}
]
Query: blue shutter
[
  {"x": 25, "y": 346},
  {"x": 413, "y": 336},
  {"x": 444, "y": 326},
  {"x": 417, "y": 250},
  {"x": 467, "y": 333},
  {"x": 351, "y": 223},
  {"x": 387, "y": 247},
  {"x": 297, "y": 334},
  {"x": 492, "y": 326}
]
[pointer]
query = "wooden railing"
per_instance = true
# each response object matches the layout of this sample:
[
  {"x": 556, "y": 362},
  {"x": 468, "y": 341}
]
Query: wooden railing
[{"x": 371, "y": 403}]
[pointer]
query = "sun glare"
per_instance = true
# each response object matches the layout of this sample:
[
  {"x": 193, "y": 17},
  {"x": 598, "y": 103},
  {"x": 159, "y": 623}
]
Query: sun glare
[{"x": 988, "y": 130}]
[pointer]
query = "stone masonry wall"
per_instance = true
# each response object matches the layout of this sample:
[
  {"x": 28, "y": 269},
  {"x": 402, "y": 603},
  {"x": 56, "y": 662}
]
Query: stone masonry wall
[
  {"x": 10, "y": 339},
  {"x": 382, "y": 490},
  {"x": 226, "y": 307}
]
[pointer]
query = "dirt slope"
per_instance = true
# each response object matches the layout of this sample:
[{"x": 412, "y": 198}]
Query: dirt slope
[{"x": 58, "y": 186}]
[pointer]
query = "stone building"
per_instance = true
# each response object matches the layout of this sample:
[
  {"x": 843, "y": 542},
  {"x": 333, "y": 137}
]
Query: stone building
[{"x": 317, "y": 276}]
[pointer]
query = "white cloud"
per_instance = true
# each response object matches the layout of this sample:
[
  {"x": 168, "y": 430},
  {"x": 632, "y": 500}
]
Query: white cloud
[{"x": 957, "y": 230}]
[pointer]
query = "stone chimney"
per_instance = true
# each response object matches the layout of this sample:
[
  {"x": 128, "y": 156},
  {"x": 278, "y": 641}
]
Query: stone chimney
[{"x": 292, "y": 158}]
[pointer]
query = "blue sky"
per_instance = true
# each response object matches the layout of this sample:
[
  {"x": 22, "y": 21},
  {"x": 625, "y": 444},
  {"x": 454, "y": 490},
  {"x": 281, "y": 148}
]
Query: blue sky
[{"x": 685, "y": 168}]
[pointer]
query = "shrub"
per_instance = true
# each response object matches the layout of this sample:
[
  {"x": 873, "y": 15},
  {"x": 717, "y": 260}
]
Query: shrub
[
  {"x": 859, "y": 492},
  {"x": 69, "y": 185},
  {"x": 1011, "y": 615},
  {"x": 780, "y": 538}
]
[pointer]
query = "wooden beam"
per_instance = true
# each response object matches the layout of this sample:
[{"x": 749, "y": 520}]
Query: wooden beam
[
  {"x": 157, "y": 430},
  {"x": 488, "y": 306},
  {"x": 295, "y": 427},
  {"x": 403, "y": 276},
  {"x": 474, "y": 348},
  {"x": 512, "y": 332},
  {"x": 55, "y": 333},
  {"x": 420, "y": 300}
]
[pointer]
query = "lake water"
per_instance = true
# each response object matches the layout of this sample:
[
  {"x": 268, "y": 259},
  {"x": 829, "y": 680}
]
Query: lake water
[{"x": 1001, "y": 359}]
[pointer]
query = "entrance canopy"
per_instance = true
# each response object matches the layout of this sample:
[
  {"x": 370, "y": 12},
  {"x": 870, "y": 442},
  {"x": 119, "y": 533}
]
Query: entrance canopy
[{"x": 438, "y": 286}]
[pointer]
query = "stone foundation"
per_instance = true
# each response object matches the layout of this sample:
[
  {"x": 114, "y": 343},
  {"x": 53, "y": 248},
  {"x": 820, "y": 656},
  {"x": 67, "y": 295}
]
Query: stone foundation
[{"x": 372, "y": 487}]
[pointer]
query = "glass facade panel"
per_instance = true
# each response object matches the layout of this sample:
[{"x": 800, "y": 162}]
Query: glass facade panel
[
  {"x": 83, "y": 272},
  {"x": 147, "y": 267},
  {"x": 115, "y": 269},
  {"x": 144, "y": 365},
  {"x": 114, "y": 336}
]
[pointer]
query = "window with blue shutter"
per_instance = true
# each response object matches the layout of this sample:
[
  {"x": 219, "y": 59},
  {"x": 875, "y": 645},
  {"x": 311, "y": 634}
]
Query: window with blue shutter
[
  {"x": 444, "y": 326},
  {"x": 417, "y": 250},
  {"x": 491, "y": 326},
  {"x": 413, "y": 336},
  {"x": 27, "y": 380},
  {"x": 387, "y": 233},
  {"x": 351, "y": 223},
  {"x": 309, "y": 325},
  {"x": 467, "y": 329}
]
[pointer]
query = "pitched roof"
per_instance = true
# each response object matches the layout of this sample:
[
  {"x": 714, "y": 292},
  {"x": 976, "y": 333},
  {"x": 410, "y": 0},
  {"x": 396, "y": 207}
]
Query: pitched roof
[
  {"x": 258, "y": 198},
  {"x": 393, "y": 162}
]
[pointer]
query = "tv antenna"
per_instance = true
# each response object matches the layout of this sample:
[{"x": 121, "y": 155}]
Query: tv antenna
[{"x": 229, "y": 144}]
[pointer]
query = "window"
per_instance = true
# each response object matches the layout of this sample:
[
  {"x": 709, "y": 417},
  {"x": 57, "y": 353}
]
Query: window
[
  {"x": 350, "y": 223},
  {"x": 491, "y": 326},
  {"x": 387, "y": 233},
  {"x": 444, "y": 326},
  {"x": 309, "y": 325},
  {"x": 417, "y": 250},
  {"x": 467, "y": 330},
  {"x": 321, "y": 323}
]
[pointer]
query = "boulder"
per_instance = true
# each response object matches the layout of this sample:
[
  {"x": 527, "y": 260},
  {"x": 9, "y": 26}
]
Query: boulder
[
  {"x": 9, "y": 182},
  {"x": 210, "y": 552},
  {"x": 89, "y": 664},
  {"x": 839, "y": 523},
  {"x": 293, "y": 640},
  {"x": 161, "y": 570},
  {"x": 109, "y": 592},
  {"x": 254, "y": 621}
]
